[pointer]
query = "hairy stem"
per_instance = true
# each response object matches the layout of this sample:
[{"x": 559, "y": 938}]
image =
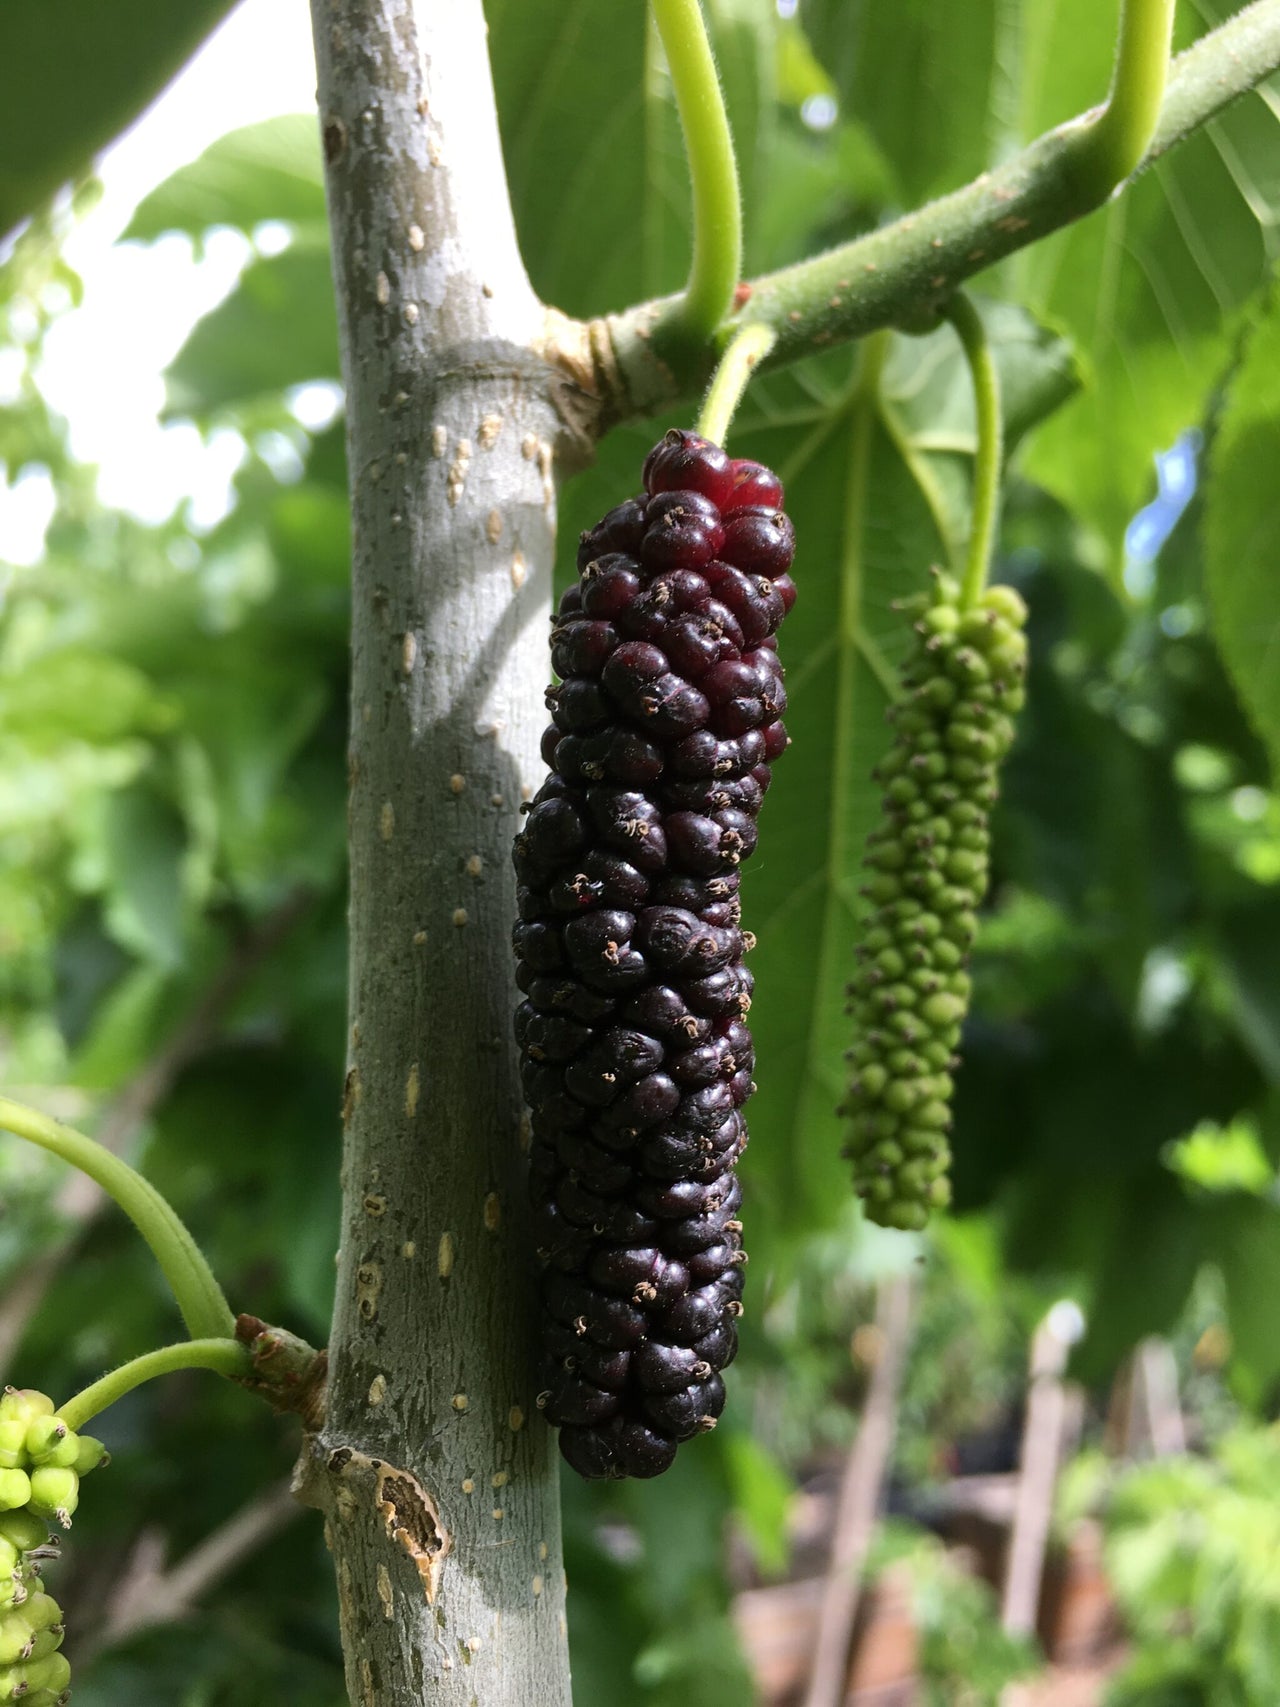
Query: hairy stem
[
  {"x": 200, "y": 1299},
  {"x": 1115, "y": 141},
  {"x": 986, "y": 462},
  {"x": 713, "y": 170},
  {"x": 223, "y": 1356},
  {"x": 904, "y": 273},
  {"x": 724, "y": 394}
]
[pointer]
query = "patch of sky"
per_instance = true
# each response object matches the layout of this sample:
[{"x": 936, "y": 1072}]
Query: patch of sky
[{"x": 1177, "y": 473}]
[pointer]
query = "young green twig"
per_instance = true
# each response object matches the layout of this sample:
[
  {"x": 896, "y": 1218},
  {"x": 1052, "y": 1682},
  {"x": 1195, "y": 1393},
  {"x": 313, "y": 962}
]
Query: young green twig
[
  {"x": 987, "y": 456},
  {"x": 713, "y": 170},
  {"x": 224, "y": 1356},
  {"x": 729, "y": 381},
  {"x": 199, "y": 1297}
]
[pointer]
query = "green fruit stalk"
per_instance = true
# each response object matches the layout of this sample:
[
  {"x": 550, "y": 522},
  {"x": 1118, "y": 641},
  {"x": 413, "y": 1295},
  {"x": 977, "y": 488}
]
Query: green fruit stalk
[{"x": 962, "y": 686}]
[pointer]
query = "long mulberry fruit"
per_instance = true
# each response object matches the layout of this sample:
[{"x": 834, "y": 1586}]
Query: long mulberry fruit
[
  {"x": 962, "y": 686},
  {"x": 636, "y": 1059}
]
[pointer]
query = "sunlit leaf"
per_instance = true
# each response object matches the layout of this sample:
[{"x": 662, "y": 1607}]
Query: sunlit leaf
[
  {"x": 1148, "y": 285},
  {"x": 264, "y": 172},
  {"x": 278, "y": 328},
  {"x": 925, "y": 79},
  {"x": 600, "y": 186}
]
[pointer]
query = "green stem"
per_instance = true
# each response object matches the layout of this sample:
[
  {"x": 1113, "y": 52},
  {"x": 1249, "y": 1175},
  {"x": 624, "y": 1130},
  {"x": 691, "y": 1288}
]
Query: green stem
[
  {"x": 986, "y": 463},
  {"x": 1115, "y": 141},
  {"x": 200, "y": 1299},
  {"x": 713, "y": 171},
  {"x": 224, "y": 1356},
  {"x": 908, "y": 269},
  {"x": 747, "y": 348}
]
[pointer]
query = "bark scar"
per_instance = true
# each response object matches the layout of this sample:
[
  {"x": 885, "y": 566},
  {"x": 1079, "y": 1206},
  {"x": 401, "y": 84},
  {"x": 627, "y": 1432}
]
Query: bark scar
[{"x": 413, "y": 1521}]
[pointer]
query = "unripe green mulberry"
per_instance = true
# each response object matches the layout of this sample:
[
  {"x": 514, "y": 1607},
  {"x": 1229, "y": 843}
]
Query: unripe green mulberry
[
  {"x": 15, "y": 1489},
  {"x": 21, "y": 1682},
  {"x": 32, "y": 1670},
  {"x": 55, "y": 1493},
  {"x": 16, "y": 1638},
  {"x": 13, "y": 1443},
  {"x": 24, "y": 1404},
  {"x": 50, "y": 1441},
  {"x": 89, "y": 1454},
  {"x": 31, "y": 1631},
  {"x": 962, "y": 687},
  {"x": 41, "y": 1611},
  {"x": 23, "y": 1530}
]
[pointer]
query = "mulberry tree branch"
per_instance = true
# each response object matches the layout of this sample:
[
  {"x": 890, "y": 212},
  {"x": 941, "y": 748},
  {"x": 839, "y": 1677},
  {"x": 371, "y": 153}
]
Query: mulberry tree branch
[
  {"x": 433, "y": 1464},
  {"x": 903, "y": 273}
]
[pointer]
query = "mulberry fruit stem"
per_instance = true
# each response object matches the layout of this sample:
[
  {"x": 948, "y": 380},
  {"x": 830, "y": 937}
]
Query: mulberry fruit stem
[
  {"x": 224, "y": 1356},
  {"x": 986, "y": 464},
  {"x": 199, "y": 1297},
  {"x": 1116, "y": 139},
  {"x": 748, "y": 347},
  {"x": 713, "y": 169}
]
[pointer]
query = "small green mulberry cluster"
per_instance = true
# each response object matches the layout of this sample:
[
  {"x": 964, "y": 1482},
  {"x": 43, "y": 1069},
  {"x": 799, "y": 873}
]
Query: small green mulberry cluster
[
  {"x": 41, "y": 1463},
  {"x": 963, "y": 683}
]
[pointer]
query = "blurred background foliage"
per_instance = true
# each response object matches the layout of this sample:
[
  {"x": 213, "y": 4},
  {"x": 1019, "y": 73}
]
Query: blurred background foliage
[{"x": 172, "y": 880}]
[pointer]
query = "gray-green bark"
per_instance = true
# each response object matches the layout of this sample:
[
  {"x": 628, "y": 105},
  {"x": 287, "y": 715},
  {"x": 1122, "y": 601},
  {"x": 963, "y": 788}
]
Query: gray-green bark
[{"x": 435, "y": 1470}]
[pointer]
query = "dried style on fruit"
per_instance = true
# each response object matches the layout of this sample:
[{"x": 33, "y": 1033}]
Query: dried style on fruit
[
  {"x": 636, "y": 1058},
  {"x": 962, "y": 686}
]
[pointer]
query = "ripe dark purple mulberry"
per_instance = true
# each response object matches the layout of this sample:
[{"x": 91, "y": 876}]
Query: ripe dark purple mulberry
[{"x": 636, "y": 1056}]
